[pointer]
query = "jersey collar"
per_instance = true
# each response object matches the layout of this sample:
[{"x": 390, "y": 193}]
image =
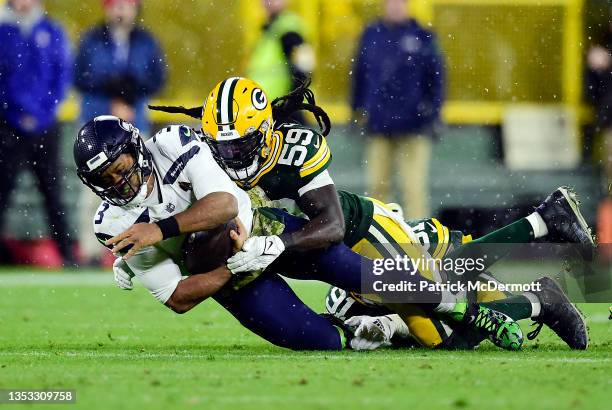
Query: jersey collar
[
  {"x": 150, "y": 201},
  {"x": 271, "y": 160}
]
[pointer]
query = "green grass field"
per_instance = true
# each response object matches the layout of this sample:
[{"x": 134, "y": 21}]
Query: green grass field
[{"x": 123, "y": 349}]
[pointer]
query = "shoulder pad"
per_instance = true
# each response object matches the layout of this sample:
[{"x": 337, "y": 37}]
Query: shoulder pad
[
  {"x": 291, "y": 125},
  {"x": 173, "y": 139}
]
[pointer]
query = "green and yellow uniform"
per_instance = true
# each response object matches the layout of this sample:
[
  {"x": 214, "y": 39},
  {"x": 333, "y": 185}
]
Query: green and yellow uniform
[{"x": 297, "y": 155}]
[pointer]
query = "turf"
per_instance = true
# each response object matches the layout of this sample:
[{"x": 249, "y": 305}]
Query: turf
[{"x": 122, "y": 349}]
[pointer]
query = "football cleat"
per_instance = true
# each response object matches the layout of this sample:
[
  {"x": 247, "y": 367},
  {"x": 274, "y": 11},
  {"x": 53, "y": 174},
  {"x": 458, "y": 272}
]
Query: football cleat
[
  {"x": 561, "y": 213},
  {"x": 499, "y": 328},
  {"x": 559, "y": 314}
]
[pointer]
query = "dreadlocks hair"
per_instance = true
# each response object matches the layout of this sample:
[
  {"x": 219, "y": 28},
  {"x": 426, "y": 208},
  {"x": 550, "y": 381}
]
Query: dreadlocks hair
[
  {"x": 284, "y": 107},
  {"x": 195, "y": 112},
  {"x": 300, "y": 99}
]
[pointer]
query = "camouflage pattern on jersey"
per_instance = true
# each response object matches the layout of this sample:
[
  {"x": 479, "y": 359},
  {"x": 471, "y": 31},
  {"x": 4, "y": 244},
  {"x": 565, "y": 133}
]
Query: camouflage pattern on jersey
[
  {"x": 259, "y": 198},
  {"x": 265, "y": 223}
]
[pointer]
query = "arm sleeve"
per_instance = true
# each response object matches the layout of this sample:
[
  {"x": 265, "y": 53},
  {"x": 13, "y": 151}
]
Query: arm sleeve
[
  {"x": 156, "y": 271},
  {"x": 321, "y": 180}
]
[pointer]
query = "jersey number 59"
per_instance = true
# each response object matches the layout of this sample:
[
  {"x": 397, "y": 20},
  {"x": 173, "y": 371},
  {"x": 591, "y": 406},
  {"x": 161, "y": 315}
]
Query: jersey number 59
[{"x": 295, "y": 154}]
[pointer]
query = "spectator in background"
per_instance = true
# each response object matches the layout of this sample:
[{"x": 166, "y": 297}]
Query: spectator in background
[
  {"x": 281, "y": 59},
  {"x": 119, "y": 66},
  {"x": 398, "y": 88},
  {"x": 34, "y": 77},
  {"x": 599, "y": 91}
]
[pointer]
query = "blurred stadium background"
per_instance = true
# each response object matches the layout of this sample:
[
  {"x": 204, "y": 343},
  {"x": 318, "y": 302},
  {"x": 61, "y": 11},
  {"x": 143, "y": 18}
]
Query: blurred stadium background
[{"x": 515, "y": 110}]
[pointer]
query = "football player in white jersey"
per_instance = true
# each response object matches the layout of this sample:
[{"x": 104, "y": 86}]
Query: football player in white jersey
[
  {"x": 156, "y": 192},
  {"x": 151, "y": 182}
]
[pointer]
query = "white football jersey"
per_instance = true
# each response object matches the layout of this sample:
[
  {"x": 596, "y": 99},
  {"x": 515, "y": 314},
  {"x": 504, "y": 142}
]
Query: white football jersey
[{"x": 184, "y": 171}]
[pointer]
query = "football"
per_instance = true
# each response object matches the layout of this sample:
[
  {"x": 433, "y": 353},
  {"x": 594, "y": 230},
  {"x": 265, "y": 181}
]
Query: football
[{"x": 205, "y": 251}]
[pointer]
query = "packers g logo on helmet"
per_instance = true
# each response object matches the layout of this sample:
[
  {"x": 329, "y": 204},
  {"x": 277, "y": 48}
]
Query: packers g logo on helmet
[
  {"x": 237, "y": 122},
  {"x": 259, "y": 99}
]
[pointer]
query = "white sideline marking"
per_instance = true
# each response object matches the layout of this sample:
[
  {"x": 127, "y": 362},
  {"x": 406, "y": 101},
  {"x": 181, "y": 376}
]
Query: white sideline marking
[
  {"x": 102, "y": 278},
  {"x": 283, "y": 356},
  {"x": 56, "y": 279}
]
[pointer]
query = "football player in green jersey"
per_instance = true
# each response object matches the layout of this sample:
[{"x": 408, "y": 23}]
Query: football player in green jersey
[
  {"x": 288, "y": 160},
  {"x": 374, "y": 325}
]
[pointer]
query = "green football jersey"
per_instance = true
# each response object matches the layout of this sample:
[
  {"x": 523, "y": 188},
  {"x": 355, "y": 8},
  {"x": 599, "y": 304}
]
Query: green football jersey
[
  {"x": 437, "y": 239},
  {"x": 358, "y": 213},
  {"x": 298, "y": 154},
  {"x": 295, "y": 157}
]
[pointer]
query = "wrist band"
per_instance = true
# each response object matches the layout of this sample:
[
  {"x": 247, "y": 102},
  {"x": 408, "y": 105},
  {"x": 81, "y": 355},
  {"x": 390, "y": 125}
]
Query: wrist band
[{"x": 169, "y": 227}]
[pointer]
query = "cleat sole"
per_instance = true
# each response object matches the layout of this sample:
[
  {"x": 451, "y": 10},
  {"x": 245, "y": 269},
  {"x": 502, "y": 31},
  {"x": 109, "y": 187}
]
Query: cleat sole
[{"x": 572, "y": 199}]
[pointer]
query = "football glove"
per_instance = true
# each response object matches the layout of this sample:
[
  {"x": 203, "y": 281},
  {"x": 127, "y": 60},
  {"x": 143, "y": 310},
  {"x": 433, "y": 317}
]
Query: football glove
[
  {"x": 369, "y": 332},
  {"x": 123, "y": 278},
  {"x": 258, "y": 252}
]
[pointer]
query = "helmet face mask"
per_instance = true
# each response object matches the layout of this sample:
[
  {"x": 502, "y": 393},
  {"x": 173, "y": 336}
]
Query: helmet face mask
[
  {"x": 239, "y": 157},
  {"x": 119, "y": 193},
  {"x": 111, "y": 144}
]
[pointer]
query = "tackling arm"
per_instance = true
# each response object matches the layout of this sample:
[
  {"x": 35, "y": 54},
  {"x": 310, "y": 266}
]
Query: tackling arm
[
  {"x": 162, "y": 276},
  {"x": 195, "y": 289},
  {"x": 326, "y": 226}
]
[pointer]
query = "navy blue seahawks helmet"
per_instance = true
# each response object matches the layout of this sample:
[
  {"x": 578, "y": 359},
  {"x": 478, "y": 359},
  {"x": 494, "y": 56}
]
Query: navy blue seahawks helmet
[{"x": 101, "y": 142}]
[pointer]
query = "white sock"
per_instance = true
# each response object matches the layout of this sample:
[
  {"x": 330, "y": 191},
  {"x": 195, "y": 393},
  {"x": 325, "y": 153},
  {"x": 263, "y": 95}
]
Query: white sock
[
  {"x": 536, "y": 308},
  {"x": 538, "y": 225}
]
